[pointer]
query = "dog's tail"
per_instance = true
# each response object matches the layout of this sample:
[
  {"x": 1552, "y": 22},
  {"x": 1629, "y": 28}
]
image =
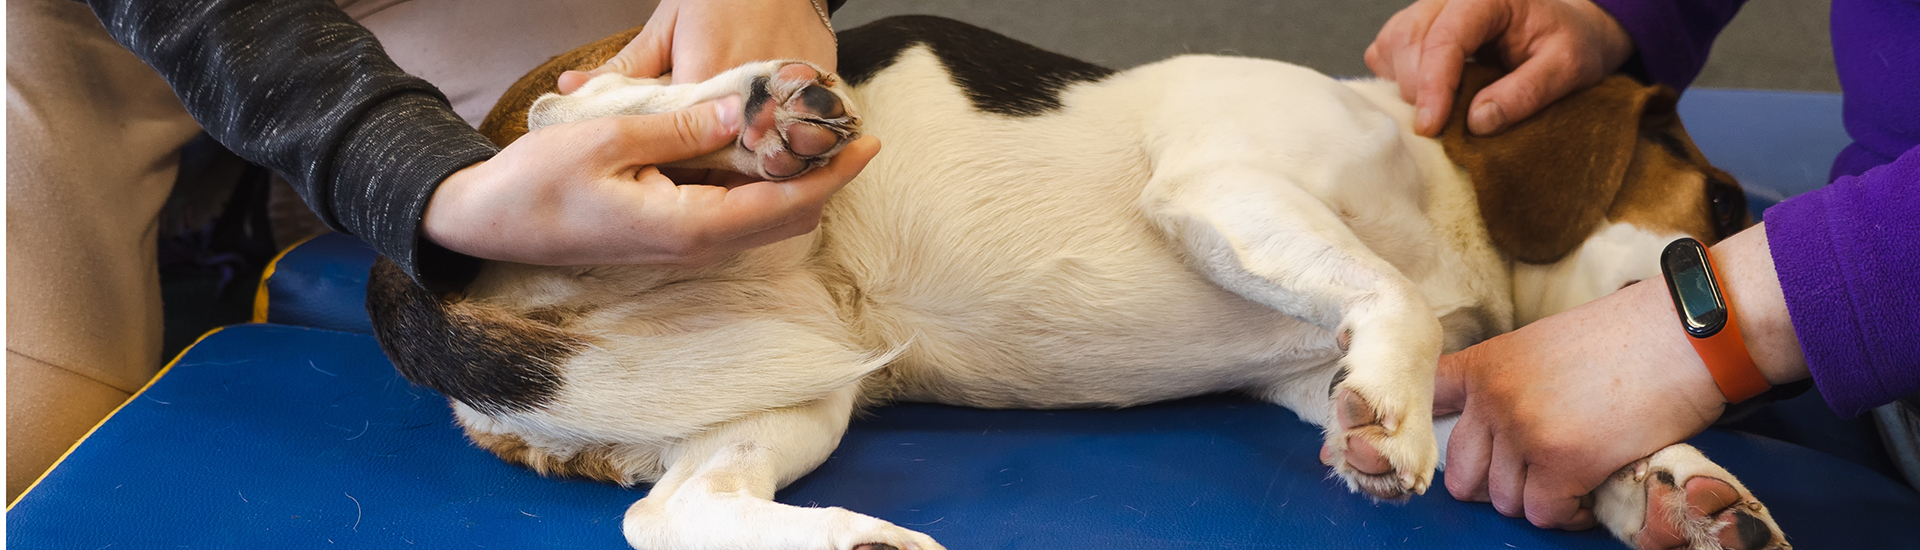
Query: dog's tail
[{"x": 491, "y": 360}]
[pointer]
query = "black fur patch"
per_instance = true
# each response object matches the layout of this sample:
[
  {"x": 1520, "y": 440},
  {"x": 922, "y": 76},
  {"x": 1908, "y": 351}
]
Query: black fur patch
[
  {"x": 999, "y": 74},
  {"x": 492, "y": 361}
]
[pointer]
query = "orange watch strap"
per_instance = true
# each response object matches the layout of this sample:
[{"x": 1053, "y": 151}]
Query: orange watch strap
[{"x": 1725, "y": 353}]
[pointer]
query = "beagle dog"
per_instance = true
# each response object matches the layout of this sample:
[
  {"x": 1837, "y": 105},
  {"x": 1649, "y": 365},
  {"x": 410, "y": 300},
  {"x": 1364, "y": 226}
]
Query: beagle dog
[{"x": 1042, "y": 232}]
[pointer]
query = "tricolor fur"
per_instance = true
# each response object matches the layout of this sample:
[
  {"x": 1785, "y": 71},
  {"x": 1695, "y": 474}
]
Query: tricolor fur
[{"x": 1045, "y": 233}]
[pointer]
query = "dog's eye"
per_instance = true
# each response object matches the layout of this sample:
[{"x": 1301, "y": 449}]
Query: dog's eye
[{"x": 1728, "y": 206}]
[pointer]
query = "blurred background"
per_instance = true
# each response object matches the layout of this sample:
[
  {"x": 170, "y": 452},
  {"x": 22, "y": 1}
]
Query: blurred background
[{"x": 1773, "y": 44}]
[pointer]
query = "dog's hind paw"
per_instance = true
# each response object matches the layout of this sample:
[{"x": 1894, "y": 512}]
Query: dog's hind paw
[{"x": 1677, "y": 498}]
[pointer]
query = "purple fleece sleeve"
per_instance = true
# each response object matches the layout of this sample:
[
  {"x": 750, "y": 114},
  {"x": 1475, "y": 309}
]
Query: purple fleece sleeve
[
  {"x": 1672, "y": 37},
  {"x": 1848, "y": 256}
]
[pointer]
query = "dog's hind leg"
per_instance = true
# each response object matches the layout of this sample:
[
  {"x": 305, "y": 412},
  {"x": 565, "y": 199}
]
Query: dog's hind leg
[
  {"x": 718, "y": 487},
  {"x": 1261, "y": 236}
]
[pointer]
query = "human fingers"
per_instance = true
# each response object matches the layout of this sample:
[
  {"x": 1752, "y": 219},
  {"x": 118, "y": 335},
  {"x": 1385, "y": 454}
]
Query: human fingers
[
  {"x": 767, "y": 211},
  {"x": 1540, "y": 80},
  {"x": 667, "y": 137},
  {"x": 648, "y": 55},
  {"x": 803, "y": 221},
  {"x": 644, "y": 57},
  {"x": 1467, "y": 455},
  {"x": 1399, "y": 42},
  {"x": 1550, "y": 506},
  {"x": 1507, "y": 476},
  {"x": 1457, "y": 31}
]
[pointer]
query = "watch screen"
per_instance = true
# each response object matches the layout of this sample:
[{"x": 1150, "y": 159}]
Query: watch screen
[{"x": 1694, "y": 290}]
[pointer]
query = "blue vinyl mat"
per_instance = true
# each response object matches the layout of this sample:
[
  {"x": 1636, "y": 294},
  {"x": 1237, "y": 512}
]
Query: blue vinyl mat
[{"x": 268, "y": 436}]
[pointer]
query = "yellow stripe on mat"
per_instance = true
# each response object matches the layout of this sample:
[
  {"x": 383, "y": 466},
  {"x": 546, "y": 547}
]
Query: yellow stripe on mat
[
  {"x": 260, "y": 297},
  {"x": 116, "y": 410}
]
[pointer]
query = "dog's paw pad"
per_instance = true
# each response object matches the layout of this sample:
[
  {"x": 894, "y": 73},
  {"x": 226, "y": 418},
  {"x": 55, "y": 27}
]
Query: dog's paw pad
[
  {"x": 796, "y": 121},
  {"x": 1702, "y": 512},
  {"x": 1371, "y": 452}
]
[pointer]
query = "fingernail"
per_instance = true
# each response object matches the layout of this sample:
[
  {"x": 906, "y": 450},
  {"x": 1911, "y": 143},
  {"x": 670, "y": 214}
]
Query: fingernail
[
  {"x": 727, "y": 111},
  {"x": 1487, "y": 118},
  {"x": 1424, "y": 117}
]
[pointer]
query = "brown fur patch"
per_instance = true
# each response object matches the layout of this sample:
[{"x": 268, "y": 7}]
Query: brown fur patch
[
  {"x": 1546, "y": 183},
  {"x": 508, "y": 119},
  {"x": 1663, "y": 193},
  {"x": 595, "y": 463},
  {"x": 1670, "y": 185}
]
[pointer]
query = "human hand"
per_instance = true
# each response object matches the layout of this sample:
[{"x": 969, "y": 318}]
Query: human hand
[
  {"x": 1553, "y": 46},
  {"x": 1549, "y": 411},
  {"x": 696, "y": 39},
  {"x": 588, "y": 193}
]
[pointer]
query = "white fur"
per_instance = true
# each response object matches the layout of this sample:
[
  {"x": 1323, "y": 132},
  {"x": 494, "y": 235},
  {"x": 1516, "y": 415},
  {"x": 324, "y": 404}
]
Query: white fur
[
  {"x": 1199, "y": 225},
  {"x": 1621, "y": 503},
  {"x": 1613, "y": 257}
]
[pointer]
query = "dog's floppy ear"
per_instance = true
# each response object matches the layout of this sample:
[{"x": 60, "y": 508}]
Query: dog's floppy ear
[{"x": 1545, "y": 183}]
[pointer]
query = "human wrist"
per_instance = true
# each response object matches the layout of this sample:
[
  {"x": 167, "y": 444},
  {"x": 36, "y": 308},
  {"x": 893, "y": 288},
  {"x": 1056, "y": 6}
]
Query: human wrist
[
  {"x": 1746, "y": 268},
  {"x": 1612, "y": 42},
  {"x": 443, "y": 222},
  {"x": 1667, "y": 346}
]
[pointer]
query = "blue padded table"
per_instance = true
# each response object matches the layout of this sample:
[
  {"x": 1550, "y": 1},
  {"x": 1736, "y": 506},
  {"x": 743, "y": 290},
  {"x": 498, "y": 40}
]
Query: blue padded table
[
  {"x": 320, "y": 282},
  {"x": 273, "y": 435},
  {"x": 292, "y": 437}
]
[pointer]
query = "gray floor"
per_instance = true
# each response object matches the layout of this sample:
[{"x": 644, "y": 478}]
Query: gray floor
[{"x": 1774, "y": 44}]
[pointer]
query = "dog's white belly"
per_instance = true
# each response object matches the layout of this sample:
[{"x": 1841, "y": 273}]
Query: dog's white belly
[{"x": 1011, "y": 258}]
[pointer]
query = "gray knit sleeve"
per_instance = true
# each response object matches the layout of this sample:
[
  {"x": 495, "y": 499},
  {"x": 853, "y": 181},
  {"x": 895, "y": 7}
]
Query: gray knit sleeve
[{"x": 299, "y": 87}]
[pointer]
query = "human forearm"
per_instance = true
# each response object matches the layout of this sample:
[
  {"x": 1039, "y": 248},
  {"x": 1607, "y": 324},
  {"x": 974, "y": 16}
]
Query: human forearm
[
  {"x": 1753, "y": 288},
  {"x": 297, "y": 86}
]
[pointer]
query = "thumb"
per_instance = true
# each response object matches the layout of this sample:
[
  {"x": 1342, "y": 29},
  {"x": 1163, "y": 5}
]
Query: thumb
[
  {"x": 647, "y": 56},
  {"x": 678, "y": 135},
  {"x": 1529, "y": 88}
]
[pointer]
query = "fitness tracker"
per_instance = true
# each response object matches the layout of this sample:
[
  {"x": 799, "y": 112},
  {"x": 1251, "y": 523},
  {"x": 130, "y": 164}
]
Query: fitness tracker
[{"x": 1702, "y": 303}]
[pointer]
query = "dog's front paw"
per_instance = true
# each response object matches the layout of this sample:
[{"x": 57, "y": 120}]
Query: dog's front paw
[
  {"x": 796, "y": 115},
  {"x": 796, "y": 120},
  {"x": 1677, "y": 498},
  {"x": 862, "y": 532},
  {"x": 1382, "y": 447}
]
